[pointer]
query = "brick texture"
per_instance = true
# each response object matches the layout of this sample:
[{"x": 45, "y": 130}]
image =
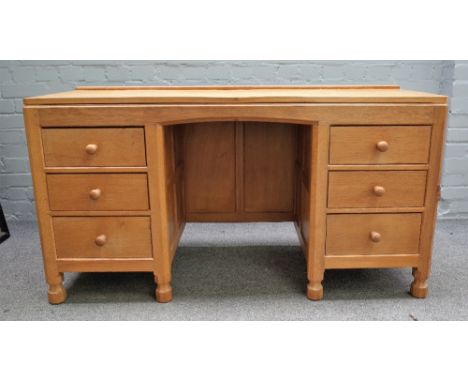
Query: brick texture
[{"x": 19, "y": 79}]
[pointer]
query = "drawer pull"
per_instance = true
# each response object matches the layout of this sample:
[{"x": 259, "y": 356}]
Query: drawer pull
[
  {"x": 375, "y": 236},
  {"x": 382, "y": 146},
  {"x": 91, "y": 148},
  {"x": 100, "y": 240},
  {"x": 379, "y": 190},
  {"x": 95, "y": 193}
]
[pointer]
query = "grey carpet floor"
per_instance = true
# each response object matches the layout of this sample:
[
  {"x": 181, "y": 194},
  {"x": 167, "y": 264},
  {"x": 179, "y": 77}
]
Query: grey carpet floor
[{"x": 237, "y": 272}]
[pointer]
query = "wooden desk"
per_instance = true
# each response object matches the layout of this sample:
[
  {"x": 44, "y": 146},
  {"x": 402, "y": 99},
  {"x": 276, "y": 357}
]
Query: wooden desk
[{"x": 118, "y": 171}]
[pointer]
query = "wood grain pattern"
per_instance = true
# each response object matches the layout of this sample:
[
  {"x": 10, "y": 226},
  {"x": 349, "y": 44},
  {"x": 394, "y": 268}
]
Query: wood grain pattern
[
  {"x": 350, "y": 234},
  {"x": 357, "y": 189},
  {"x": 115, "y": 147},
  {"x": 243, "y": 95},
  {"x": 239, "y": 171},
  {"x": 304, "y": 222},
  {"x": 302, "y": 197},
  {"x": 319, "y": 146},
  {"x": 174, "y": 186},
  {"x": 127, "y": 237},
  {"x": 105, "y": 265},
  {"x": 269, "y": 164},
  {"x": 72, "y": 192},
  {"x": 156, "y": 143},
  {"x": 419, "y": 286},
  {"x": 56, "y": 292},
  {"x": 370, "y": 261},
  {"x": 114, "y": 115},
  {"x": 210, "y": 170},
  {"x": 357, "y": 144}
]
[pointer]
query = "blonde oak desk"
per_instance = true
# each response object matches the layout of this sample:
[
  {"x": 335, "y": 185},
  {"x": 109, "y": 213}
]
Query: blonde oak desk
[{"x": 118, "y": 171}]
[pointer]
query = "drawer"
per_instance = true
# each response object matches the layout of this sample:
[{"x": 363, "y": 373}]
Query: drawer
[
  {"x": 75, "y": 147},
  {"x": 102, "y": 237},
  {"x": 376, "y": 189},
  {"x": 377, "y": 234},
  {"x": 97, "y": 192},
  {"x": 379, "y": 144}
]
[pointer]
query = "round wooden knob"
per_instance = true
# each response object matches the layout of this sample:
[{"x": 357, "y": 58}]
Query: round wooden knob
[
  {"x": 100, "y": 240},
  {"x": 379, "y": 190},
  {"x": 95, "y": 193},
  {"x": 382, "y": 146},
  {"x": 375, "y": 236},
  {"x": 91, "y": 148}
]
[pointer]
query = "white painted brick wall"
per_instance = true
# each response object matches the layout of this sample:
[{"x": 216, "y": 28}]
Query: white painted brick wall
[
  {"x": 455, "y": 171},
  {"x": 19, "y": 79}
]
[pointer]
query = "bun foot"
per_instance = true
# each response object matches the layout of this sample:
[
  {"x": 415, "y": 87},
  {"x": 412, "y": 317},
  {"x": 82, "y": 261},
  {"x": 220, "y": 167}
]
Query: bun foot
[
  {"x": 56, "y": 294},
  {"x": 163, "y": 293},
  {"x": 419, "y": 285},
  {"x": 314, "y": 291},
  {"x": 419, "y": 289}
]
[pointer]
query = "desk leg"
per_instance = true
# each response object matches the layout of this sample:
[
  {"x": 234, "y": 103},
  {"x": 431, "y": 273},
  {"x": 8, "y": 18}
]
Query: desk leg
[
  {"x": 419, "y": 284},
  {"x": 158, "y": 174},
  {"x": 163, "y": 289},
  {"x": 56, "y": 292},
  {"x": 317, "y": 209},
  {"x": 314, "y": 290},
  {"x": 421, "y": 273}
]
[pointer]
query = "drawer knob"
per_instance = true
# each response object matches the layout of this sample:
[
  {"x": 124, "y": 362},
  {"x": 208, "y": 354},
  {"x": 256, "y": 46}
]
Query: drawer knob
[
  {"x": 91, "y": 148},
  {"x": 382, "y": 146},
  {"x": 100, "y": 240},
  {"x": 379, "y": 190},
  {"x": 95, "y": 193},
  {"x": 375, "y": 236}
]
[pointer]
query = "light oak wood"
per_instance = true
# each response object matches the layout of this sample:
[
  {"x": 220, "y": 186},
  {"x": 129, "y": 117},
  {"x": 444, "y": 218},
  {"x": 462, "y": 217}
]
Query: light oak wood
[
  {"x": 54, "y": 277},
  {"x": 204, "y": 95},
  {"x": 376, "y": 189},
  {"x": 370, "y": 210},
  {"x": 370, "y": 261},
  {"x": 269, "y": 164},
  {"x": 101, "y": 213},
  {"x": 398, "y": 144},
  {"x": 301, "y": 203},
  {"x": 373, "y": 234},
  {"x": 317, "y": 206},
  {"x": 236, "y": 217},
  {"x": 239, "y": 171},
  {"x": 102, "y": 237},
  {"x": 94, "y": 147},
  {"x": 210, "y": 167},
  {"x": 377, "y": 167},
  {"x": 105, "y": 265},
  {"x": 98, "y": 192},
  {"x": 419, "y": 287},
  {"x": 124, "y": 115},
  {"x": 95, "y": 170},
  {"x": 356, "y": 168},
  {"x": 156, "y": 142}
]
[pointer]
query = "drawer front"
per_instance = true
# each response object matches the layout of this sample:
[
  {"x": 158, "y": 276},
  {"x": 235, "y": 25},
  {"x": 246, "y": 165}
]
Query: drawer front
[
  {"x": 102, "y": 237},
  {"x": 376, "y": 234},
  {"x": 379, "y": 144},
  {"x": 75, "y": 147},
  {"x": 376, "y": 189},
  {"x": 97, "y": 192}
]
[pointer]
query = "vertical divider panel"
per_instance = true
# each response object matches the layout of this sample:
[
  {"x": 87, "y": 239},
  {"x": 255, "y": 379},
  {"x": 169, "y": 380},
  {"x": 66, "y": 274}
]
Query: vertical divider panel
[{"x": 240, "y": 194}]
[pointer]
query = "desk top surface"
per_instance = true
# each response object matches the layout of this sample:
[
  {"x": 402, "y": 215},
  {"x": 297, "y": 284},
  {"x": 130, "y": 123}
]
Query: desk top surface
[{"x": 235, "y": 95}]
